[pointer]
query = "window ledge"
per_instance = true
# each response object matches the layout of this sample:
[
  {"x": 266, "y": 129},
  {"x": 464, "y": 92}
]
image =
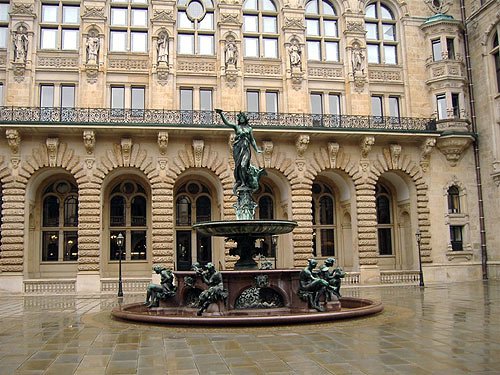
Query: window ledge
[{"x": 467, "y": 255}]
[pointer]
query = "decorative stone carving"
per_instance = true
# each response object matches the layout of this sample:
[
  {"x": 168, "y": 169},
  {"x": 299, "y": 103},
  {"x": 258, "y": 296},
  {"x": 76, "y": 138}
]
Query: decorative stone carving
[
  {"x": 18, "y": 69},
  {"x": 439, "y": 6},
  {"x": 267, "y": 148},
  {"x": 89, "y": 141},
  {"x": 230, "y": 53},
  {"x": 163, "y": 142},
  {"x": 295, "y": 54},
  {"x": 229, "y": 19},
  {"x": 198, "y": 146},
  {"x": 57, "y": 62},
  {"x": 325, "y": 72},
  {"x": 20, "y": 42},
  {"x": 92, "y": 73},
  {"x": 90, "y": 163},
  {"x": 96, "y": 13},
  {"x": 92, "y": 47},
  {"x": 19, "y": 9},
  {"x": 196, "y": 67},
  {"x": 52, "y": 147},
  {"x": 467, "y": 254},
  {"x": 333, "y": 150},
  {"x": 163, "y": 15},
  {"x": 13, "y": 139},
  {"x": 496, "y": 173},
  {"x": 453, "y": 147},
  {"x": 301, "y": 144},
  {"x": 128, "y": 64},
  {"x": 358, "y": 60},
  {"x": 425, "y": 156},
  {"x": 366, "y": 145},
  {"x": 162, "y": 48},
  {"x": 263, "y": 69},
  {"x": 384, "y": 75},
  {"x": 395, "y": 154},
  {"x": 126, "y": 145},
  {"x": 355, "y": 26},
  {"x": 294, "y": 23}
]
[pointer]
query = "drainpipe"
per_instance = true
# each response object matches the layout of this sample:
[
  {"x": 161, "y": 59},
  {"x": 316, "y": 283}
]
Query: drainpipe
[{"x": 484, "y": 250}]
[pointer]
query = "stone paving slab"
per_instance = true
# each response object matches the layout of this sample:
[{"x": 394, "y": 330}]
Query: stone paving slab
[{"x": 441, "y": 329}]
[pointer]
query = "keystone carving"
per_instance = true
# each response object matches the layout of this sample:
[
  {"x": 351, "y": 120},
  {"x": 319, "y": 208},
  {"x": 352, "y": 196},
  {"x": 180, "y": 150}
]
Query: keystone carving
[
  {"x": 301, "y": 144},
  {"x": 198, "y": 146},
  {"x": 268, "y": 148},
  {"x": 163, "y": 142},
  {"x": 52, "y": 147},
  {"x": 366, "y": 146},
  {"x": 89, "y": 141},
  {"x": 126, "y": 144},
  {"x": 333, "y": 150},
  {"x": 13, "y": 139},
  {"x": 395, "y": 154},
  {"x": 425, "y": 156},
  {"x": 453, "y": 147}
]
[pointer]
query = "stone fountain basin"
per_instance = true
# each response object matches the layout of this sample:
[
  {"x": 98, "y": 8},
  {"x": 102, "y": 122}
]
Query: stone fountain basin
[{"x": 252, "y": 228}]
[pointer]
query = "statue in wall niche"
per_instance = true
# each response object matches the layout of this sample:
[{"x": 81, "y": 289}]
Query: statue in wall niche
[
  {"x": 333, "y": 277},
  {"x": 231, "y": 54},
  {"x": 215, "y": 291},
  {"x": 358, "y": 59},
  {"x": 312, "y": 287},
  {"x": 166, "y": 289},
  {"x": 92, "y": 48},
  {"x": 295, "y": 54},
  {"x": 162, "y": 48},
  {"x": 20, "y": 45}
]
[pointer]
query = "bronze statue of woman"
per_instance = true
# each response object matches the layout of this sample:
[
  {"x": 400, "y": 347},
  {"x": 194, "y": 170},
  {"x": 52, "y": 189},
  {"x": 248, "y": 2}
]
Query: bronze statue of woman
[{"x": 245, "y": 174}]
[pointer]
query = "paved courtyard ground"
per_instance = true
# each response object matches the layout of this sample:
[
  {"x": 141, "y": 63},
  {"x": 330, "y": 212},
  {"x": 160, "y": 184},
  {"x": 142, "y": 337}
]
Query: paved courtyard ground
[{"x": 442, "y": 329}]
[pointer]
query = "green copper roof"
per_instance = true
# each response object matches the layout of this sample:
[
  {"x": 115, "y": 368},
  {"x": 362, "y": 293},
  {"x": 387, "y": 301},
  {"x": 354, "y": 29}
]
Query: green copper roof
[{"x": 439, "y": 17}]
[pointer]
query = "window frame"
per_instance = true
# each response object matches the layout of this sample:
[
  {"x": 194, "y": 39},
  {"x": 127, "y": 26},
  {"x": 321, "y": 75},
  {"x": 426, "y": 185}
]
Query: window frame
[
  {"x": 57, "y": 28},
  {"x": 263, "y": 40},
  {"x": 320, "y": 39},
  {"x": 128, "y": 43},
  {"x": 379, "y": 43},
  {"x": 192, "y": 28}
]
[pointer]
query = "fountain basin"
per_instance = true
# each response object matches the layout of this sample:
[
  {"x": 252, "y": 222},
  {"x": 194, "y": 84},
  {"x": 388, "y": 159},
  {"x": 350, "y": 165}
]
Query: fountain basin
[{"x": 253, "y": 228}]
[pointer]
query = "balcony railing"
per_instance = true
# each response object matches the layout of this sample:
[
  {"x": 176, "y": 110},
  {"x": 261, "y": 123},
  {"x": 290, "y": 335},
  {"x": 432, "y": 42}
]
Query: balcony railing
[{"x": 159, "y": 117}]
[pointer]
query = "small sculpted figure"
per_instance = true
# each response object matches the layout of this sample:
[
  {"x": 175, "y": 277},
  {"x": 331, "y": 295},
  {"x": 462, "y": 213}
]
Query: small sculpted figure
[
  {"x": 92, "y": 49},
  {"x": 215, "y": 291},
  {"x": 164, "y": 290},
  {"x": 20, "y": 45},
  {"x": 333, "y": 277},
  {"x": 311, "y": 286},
  {"x": 231, "y": 52},
  {"x": 162, "y": 48},
  {"x": 358, "y": 59},
  {"x": 295, "y": 54}
]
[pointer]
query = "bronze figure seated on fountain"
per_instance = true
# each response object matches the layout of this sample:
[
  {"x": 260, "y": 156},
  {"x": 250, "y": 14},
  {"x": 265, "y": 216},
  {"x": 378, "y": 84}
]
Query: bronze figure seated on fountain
[
  {"x": 215, "y": 291},
  {"x": 166, "y": 289},
  {"x": 312, "y": 287},
  {"x": 333, "y": 277}
]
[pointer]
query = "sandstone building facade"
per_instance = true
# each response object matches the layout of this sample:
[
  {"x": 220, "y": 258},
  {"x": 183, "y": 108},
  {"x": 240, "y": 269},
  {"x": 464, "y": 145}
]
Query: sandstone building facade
[{"x": 378, "y": 119}]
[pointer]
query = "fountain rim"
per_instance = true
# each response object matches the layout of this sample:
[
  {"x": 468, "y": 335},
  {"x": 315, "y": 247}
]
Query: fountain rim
[{"x": 226, "y": 228}]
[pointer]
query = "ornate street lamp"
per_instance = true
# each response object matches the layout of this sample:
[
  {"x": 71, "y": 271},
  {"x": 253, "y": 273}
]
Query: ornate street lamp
[
  {"x": 418, "y": 235},
  {"x": 119, "y": 243}
]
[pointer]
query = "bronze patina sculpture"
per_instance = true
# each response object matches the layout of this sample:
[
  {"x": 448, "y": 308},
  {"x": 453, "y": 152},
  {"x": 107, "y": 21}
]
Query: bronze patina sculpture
[
  {"x": 215, "y": 291},
  {"x": 334, "y": 278},
  {"x": 166, "y": 288},
  {"x": 312, "y": 287}
]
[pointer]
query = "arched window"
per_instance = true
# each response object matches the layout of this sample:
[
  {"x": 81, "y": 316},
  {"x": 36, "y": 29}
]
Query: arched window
[
  {"x": 495, "y": 52},
  {"x": 453, "y": 200},
  {"x": 128, "y": 26},
  {"x": 323, "y": 220},
  {"x": 265, "y": 211},
  {"x": 260, "y": 28},
  {"x": 60, "y": 222},
  {"x": 193, "y": 202},
  {"x": 381, "y": 34},
  {"x": 128, "y": 216},
  {"x": 384, "y": 219},
  {"x": 322, "y": 31},
  {"x": 195, "y": 27}
]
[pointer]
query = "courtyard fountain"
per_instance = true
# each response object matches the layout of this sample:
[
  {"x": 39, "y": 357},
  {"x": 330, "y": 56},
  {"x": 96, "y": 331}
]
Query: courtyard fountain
[{"x": 246, "y": 295}]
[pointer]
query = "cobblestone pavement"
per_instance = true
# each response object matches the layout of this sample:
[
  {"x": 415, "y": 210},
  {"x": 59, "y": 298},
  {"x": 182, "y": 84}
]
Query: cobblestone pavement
[{"x": 442, "y": 329}]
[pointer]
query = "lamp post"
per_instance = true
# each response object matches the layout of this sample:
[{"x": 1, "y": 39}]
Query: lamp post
[
  {"x": 274, "y": 243},
  {"x": 119, "y": 243},
  {"x": 418, "y": 236}
]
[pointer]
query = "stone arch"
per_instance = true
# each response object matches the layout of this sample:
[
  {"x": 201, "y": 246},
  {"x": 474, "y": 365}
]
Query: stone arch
[{"x": 399, "y": 6}]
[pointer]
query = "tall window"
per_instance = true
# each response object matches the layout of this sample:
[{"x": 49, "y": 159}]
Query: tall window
[
  {"x": 60, "y": 222},
  {"x": 128, "y": 26},
  {"x": 128, "y": 216},
  {"x": 195, "y": 25},
  {"x": 4, "y": 23},
  {"x": 1, "y": 94},
  {"x": 260, "y": 28},
  {"x": 323, "y": 221},
  {"x": 377, "y": 107},
  {"x": 455, "y": 104},
  {"x": 265, "y": 198},
  {"x": 441, "y": 106},
  {"x": 456, "y": 237},
  {"x": 206, "y": 106},
  {"x": 67, "y": 96},
  {"x": 450, "y": 48},
  {"x": 384, "y": 219},
  {"x": 186, "y": 101},
  {"x": 453, "y": 200},
  {"x": 192, "y": 205},
  {"x": 253, "y": 101},
  {"x": 437, "y": 50},
  {"x": 322, "y": 31},
  {"x": 495, "y": 52},
  {"x": 59, "y": 26},
  {"x": 381, "y": 35},
  {"x": 46, "y": 96}
]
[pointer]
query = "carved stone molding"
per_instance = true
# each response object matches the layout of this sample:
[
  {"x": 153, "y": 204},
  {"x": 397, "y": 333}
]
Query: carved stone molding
[
  {"x": 19, "y": 68},
  {"x": 301, "y": 144},
  {"x": 229, "y": 19},
  {"x": 263, "y": 69},
  {"x": 92, "y": 71},
  {"x": 325, "y": 72},
  {"x": 196, "y": 67},
  {"x": 89, "y": 162},
  {"x": 333, "y": 150},
  {"x": 355, "y": 26},
  {"x": 13, "y": 139},
  {"x": 52, "y": 147},
  {"x": 163, "y": 163},
  {"x": 395, "y": 150},
  {"x": 366, "y": 145},
  {"x": 22, "y": 9},
  {"x": 297, "y": 78},
  {"x": 294, "y": 23},
  {"x": 384, "y": 75},
  {"x": 126, "y": 145},
  {"x": 163, "y": 142},
  {"x": 89, "y": 141},
  {"x": 439, "y": 7},
  {"x": 496, "y": 173},
  {"x": 128, "y": 64},
  {"x": 467, "y": 255},
  {"x": 198, "y": 146},
  {"x": 93, "y": 13},
  {"x": 267, "y": 147},
  {"x": 163, "y": 15},
  {"x": 57, "y": 62},
  {"x": 425, "y": 156},
  {"x": 453, "y": 147},
  {"x": 162, "y": 71},
  {"x": 231, "y": 75}
]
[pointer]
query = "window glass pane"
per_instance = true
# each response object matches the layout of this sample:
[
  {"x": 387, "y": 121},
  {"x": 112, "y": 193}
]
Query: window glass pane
[
  {"x": 451, "y": 48},
  {"x": 317, "y": 104},
  {"x": 371, "y": 11},
  {"x": 186, "y": 44},
  {"x": 327, "y": 242},
  {"x": 139, "y": 1},
  {"x": 114, "y": 250},
  {"x": 206, "y": 44},
  {"x": 250, "y": 5},
  {"x": 186, "y": 100},
  {"x": 1, "y": 99},
  {"x": 270, "y": 24},
  {"x": 312, "y": 27},
  {"x": 183, "y": 211},
  {"x": 139, "y": 17},
  {"x": 328, "y": 9},
  {"x": 383, "y": 210},
  {"x": 377, "y": 106},
  {"x": 50, "y": 246},
  {"x": 195, "y": 10},
  {"x": 71, "y": 212},
  {"x": 373, "y": 53},
  {"x": 268, "y": 5},
  {"x": 455, "y": 104},
  {"x": 272, "y": 102},
  {"x": 393, "y": 106},
  {"x": 4, "y": 12},
  {"x": 48, "y": 38},
  {"x": 138, "y": 211},
  {"x": 389, "y": 32},
  {"x": 437, "y": 52},
  {"x": 251, "y": 47},
  {"x": 203, "y": 209},
  {"x": 253, "y": 101},
  {"x": 441, "y": 106},
  {"x": 332, "y": 51},
  {"x": 117, "y": 211},
  {"x": 67, "y": 96},
  {"x": 250, "y": 23},
  {"x": 119, "y": 16},
  {"x": 313, "y": 50},
  {"x": 386, "y": 13},
  {"x": 207, "y": 23},
  {"x": 118, "y": 41},
  {"x": 49, "y": 13},
  {"x": 50, "y": 211},
  {"x": 139, "y": 41},
  {"x": 330, "y": 28},
  {"x": 205, "y": 100},
  {"x": 71, "y": 14},
  {"x": 70, "y": 246},
  {"x": 46, "y": 96},
  {"x": 138, "y": 245},
  {"x": 384, "y": 241},
  {"x": 326, "y": 213},
  {"x": 270, "y": 48},
  {"x": 312, "y": 7},
  {"x": 3, "y": 37},
  {"x": 117, "y": 97},
  {"x": 183, "y": 21},
  {"x": 390, "y": 54},
  {"x": 70, "y": 39},
  {"x": 334, "y": 102},
  {"x": 138, "y": 96},
  {"x": 371, "y": 31}
]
